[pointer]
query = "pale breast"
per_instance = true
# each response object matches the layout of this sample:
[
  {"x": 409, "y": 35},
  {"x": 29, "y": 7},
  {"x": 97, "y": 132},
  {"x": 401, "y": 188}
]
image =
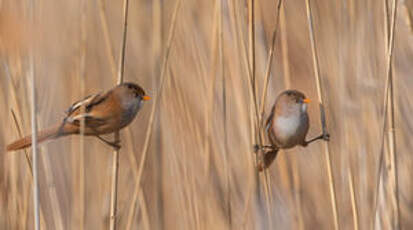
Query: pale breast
[
  {"x": 289, "y": 130},
  {"x": 285, "y": 127}
]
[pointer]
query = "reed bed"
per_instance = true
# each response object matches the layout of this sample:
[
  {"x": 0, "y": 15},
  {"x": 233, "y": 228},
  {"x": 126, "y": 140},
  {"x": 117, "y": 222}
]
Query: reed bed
[{"x": 213, "y": 69}]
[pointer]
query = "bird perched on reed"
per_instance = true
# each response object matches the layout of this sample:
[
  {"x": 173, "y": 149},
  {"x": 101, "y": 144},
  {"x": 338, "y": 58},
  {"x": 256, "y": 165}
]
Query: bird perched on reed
[
  {"x": 102, "y": 113},
  {"x": 287, "y": 126}
]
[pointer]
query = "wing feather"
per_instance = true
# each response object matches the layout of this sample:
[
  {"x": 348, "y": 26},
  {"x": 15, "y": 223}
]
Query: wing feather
[{"x": 75, "y": 115}]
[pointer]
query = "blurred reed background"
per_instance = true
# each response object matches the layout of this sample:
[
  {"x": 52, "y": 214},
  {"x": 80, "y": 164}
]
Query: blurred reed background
[{"x": 199, "y": 172}]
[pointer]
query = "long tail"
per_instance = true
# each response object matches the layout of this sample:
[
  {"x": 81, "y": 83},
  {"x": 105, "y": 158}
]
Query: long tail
[
  {"x": 48, "y": 134},
  {"x": 269, "y": 157}
]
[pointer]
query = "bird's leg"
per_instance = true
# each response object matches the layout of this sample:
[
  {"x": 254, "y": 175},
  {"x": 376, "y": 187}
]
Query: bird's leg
[
  {"x": 263, "y": 147},
  {"x": 323, "y": 136},
  {"x": 114, "y": 144}
]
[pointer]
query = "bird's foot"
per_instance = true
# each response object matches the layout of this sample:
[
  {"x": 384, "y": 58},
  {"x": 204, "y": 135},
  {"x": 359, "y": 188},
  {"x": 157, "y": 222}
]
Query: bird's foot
[
  {"x": 115, "y": 144},
  {"x": 256, "y": 148},
  {"x": 262, "y": 147},
  {"x": 326, "y": 137}
]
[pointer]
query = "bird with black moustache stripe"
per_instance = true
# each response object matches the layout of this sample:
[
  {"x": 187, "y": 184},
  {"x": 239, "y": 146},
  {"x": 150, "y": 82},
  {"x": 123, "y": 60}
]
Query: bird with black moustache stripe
[{"x": 102, "y": 113}]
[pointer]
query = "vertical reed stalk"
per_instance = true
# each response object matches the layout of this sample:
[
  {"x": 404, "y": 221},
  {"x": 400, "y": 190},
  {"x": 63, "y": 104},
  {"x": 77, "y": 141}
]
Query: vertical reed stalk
[
  {"x": 388, "y": 116},
  {"x": 391, "y": 127},
  {"x": 78, "y": 159},
  {"x": 18, "y": 107},
  {"x": 296, "y": 189},
  {"x": 255, "y": 118},
  {"x": 34, "y": 144},
  {"x": 210, "y": 93},
  {"x": 224, "y": 109},
  {"x": 389, "y": 108},
  {"x": 263, "y": 100},
  {"x": 55, "y": 207},
  {"x": 241, "y": 44},
  {"x": 145, "y": 217},
  {"x": 29, "y": 164},
  {"x": 132, "y": 158},
  {"x": 235, "y": 19},
  {"x": 135, "y": 198},
  {"x": 105, "y": 30},
  {"x": 353, "y": 200},
  {"x": 322, "y": 114},
  {"x": 155, "y": 106},
  {"x": 251, "y": 41},
  {"x": 252, "y": 67},
  {"x": 284, "y": 45},
  {"x": 115, "y": 165},
  {"x": 269, "y": 63},
  {"x": 31, "y": 78}
]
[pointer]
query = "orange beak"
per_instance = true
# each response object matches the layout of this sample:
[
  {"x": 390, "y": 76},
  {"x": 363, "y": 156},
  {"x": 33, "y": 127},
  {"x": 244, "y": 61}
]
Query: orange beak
[
  {"x": 306, "y": 100},
  {"x": 146, "y": 98}
]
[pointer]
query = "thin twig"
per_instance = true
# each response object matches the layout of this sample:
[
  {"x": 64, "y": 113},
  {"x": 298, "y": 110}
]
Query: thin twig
[
  {"x": 210, "y": 94},
  {"x": 284, "y": 49},
  {"x": 262, "y": 108},
  {"x": 31, "y": 79},
  {"x": 132, "y": 158},
  {"x": 34, "y": 146},
  {"x": 104, "y": 24},
  {"x": 28, "y": 160},
  {"x": 244, "y": 63},
  {"x": 29, "y": 164},
  {"x": 79, "y": 158},
  {"x": 115, "y": 166},
  {"x": 251, "y": 63},
  {"x": 18, "y": 106},
  {"x": 322, "y": 114},
  {"x": 388, "y": 114},
  {"x": 295, "y": 170},
  {"x": 263, "y": 99},
  {"x": 269, "y": 63},
  {"x": 353, "y": 200},
  {"x": 224, "y": 109},
  {"x": 135, "y": 197},
  {"x": 158, "y": 97},
  {"x": 251, "y": 41}
]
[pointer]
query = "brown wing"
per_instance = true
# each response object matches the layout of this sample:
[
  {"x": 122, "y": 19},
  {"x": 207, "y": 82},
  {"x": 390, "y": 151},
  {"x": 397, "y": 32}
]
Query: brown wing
[
  {"x": 268, "y": 125},
  {"x": 75, "y": 114},
  {"x": 75, "y": 107}
]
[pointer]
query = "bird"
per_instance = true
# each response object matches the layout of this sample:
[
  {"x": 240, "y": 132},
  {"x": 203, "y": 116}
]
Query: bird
[
  {"x": 102, "y": 113},
  {"x": 287, "y": 126}
]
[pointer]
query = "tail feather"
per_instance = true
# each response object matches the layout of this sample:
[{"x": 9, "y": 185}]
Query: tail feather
[
  {"x": 43, "y": 135},
  {"x": 269, "y": 157}
]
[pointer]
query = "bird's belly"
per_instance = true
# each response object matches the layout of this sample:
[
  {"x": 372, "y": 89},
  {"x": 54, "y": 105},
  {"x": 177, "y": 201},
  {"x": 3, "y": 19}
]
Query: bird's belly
[
  {"x": 115, "y": 122},
  {"x": 288, "y": 131}
]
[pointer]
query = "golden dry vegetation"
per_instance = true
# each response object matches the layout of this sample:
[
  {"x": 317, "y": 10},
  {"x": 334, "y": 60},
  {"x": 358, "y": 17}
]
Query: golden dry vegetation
[{"x": 199, "y": 170}]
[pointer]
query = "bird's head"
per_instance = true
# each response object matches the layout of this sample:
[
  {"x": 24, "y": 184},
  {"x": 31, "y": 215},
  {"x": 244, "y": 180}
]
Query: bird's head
[
  {"x": 136, "y": 91},
  {"x": 292, "y": 100}
]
